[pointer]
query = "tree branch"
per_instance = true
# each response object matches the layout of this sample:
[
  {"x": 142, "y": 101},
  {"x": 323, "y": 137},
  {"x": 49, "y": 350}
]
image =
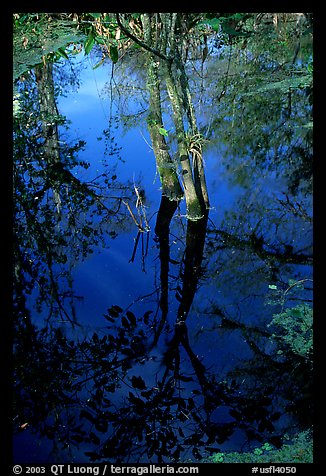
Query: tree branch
[{"x": 141, "y": 43}]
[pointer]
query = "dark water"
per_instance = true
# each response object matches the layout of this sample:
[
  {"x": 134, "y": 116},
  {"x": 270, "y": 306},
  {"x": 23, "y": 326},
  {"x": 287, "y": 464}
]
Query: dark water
[{"x": 106, "y": 366}]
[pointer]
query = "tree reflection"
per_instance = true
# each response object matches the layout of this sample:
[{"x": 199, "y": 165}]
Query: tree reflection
[
  {"x": 112, "y": 394},
  {"x": 58, "y": 218},
  {"x": 138, "y": 389}
]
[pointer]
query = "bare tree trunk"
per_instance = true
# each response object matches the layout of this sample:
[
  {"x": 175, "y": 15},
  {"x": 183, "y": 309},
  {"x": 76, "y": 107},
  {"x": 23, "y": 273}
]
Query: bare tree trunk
[
  {"x": 161, "y": 35},
  {"x": 194, "y": 210},
  {"x": 189, "y": 144},
  {"x": 196, "y": 147},
  {"x": 192, "y": 264},
  {"x": 165, "y": 165}
]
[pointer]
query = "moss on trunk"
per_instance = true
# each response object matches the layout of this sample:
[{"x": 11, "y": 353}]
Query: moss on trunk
[
  {"x": 162, "y": 37},
  {"x": 194, "y": 208},
  {"x": 166, "y": 167}
]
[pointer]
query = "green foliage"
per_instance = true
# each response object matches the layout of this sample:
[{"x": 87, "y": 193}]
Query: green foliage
[
  {"x": 300, "y": 450},
  {"x": 267, "y": 447},
  {"x": 256, "y": 122},
  {"x": 285, "y": 85},
  {"x": 43, "y": 37},
  {"x": 212, "y": 22},
  {"x": 293, "y": 326},
  {"x": 310, "y": 66},
  {"x": 294, "y": 329},
  {"x": 163, "y": 131},
  {"x": 39, "y": 37},
  {"x": 29, "y": 21},
  {"x": 90, "y": 42},
  {"x": 16, "y": 105},
  {"x": 114, "y": 53},
  {"x": 227, "y": 24},
  {"x": 101, "y": 30},
  {"x": 218, "y": 458}
]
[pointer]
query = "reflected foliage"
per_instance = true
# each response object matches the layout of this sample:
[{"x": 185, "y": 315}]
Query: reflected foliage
[
  {"x": 267, "y": 117},
  {"x": 184, "y": 411},
  {"x": 217, "y": 353},
  {"x": 59, "y": 218},
  {"x": 181, "y": 409}
]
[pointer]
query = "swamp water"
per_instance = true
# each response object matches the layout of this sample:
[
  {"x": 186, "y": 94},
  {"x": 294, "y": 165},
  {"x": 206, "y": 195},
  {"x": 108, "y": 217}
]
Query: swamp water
[{"x": 141, "y": 336}]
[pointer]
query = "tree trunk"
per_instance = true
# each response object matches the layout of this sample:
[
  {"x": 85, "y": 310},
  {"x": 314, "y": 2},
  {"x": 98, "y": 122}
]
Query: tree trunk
[
  {"x": 49, "y": 117},
  {"x": 192, "y": 269},
  {"x": 194, "y": 209},
  {"x": 48, "y": 111},
  {"x": 162, "y": 231},
  {"x": 162, "y": 36},
  {"x": 196, "y": 148},
  {"x": 165, "y": 165}
]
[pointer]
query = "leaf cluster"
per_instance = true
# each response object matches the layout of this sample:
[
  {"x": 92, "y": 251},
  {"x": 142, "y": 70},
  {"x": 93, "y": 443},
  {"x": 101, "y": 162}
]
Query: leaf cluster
[
  {"x": 229, "y": 24},
  {"x": 42, "y": 37},
  {"x": 294, "y": 329},
  {"x": 101, "y": 29},
  {"x": 299, "y": 450}
]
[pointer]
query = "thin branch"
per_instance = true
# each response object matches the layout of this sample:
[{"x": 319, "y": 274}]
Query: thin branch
[
  {"x": 141, "y": 43},
  {"x": 139, "y": 225},
  {"x": 297, "y": 283}
]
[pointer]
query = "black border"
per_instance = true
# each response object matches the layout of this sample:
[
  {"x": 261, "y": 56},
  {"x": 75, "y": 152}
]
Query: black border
[{"x": 6, "y": 197}]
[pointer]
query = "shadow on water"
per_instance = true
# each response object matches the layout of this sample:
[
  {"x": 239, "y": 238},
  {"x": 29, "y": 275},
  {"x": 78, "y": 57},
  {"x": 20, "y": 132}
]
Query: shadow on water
[{"x": 115, "y": 397}]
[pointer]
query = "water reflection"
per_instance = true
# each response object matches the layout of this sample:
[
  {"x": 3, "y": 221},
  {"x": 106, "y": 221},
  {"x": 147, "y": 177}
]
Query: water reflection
[
  {"x": 59, "y": 218},
  {"x": 197, "y": 364},
  {"x": 120, "y": 400}
]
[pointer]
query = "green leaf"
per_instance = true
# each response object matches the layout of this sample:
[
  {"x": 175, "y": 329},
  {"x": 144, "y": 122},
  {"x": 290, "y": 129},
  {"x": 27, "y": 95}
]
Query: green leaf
[
  {"x": 61, "y": 52},
  {"x": 272, "y": 286},
  {"x": 163, "y": 131},
  {"x": 89, "y": 43},
  {"x": 215, "y": 24},
  {"x": 230, "y": 31},
  {"x": 237, "y": 16},
  {"x": 114, "y": 53},
  {"x": 96, "y": 15},
  {"x": 267, "y": 447},
  {"x": 218, "y": 457},
  {"x": 258, "y": 451},
  {"x": 106, "y": 18},
  {"x": 100, "y": 40},
  {"x": 212, "y": 22}
]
